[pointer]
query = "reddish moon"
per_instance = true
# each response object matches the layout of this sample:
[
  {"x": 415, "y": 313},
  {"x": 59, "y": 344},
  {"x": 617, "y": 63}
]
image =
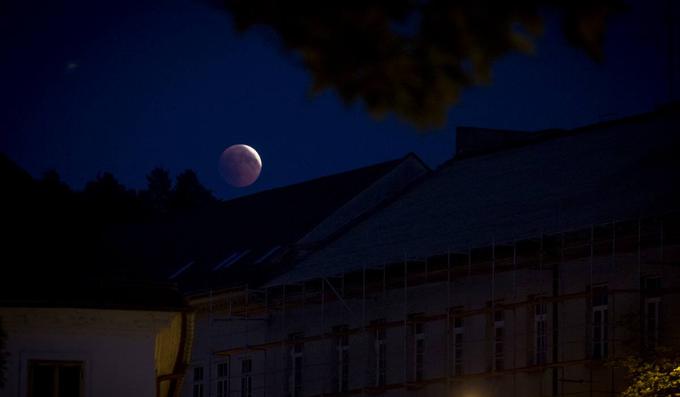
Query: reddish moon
[{"x": 240, "y": 165}]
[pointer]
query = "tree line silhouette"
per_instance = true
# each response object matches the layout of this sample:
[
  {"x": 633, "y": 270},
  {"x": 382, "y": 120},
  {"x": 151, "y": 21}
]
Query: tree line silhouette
[
  {"x": 57, "y": 237},
  {"x": 104, "y": 198}
]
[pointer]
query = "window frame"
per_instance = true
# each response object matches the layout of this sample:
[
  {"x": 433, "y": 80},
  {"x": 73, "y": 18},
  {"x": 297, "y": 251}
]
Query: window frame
[
  {"x": 498, "y": 340},
  {"x": 246, "y": 377},
  {"x": 198, "y": 382},
  {"x": 599, "y": 322},
  {"x": 222, "y": 378},
  {"x": 380, "y": 353},
  {"x": 540, "y": 333},
  {"x": 55, "y": 366},
  {"x": 296, "y": 356},
  {"x": 342, "y": 357}
]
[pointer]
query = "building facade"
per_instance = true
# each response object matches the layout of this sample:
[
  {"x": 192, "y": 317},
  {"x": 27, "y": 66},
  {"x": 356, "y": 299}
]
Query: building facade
[{"x": 523, "y": 267}]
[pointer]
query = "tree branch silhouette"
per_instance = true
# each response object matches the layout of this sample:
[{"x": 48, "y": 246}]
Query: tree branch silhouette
[{"x": 414, "y": 58}]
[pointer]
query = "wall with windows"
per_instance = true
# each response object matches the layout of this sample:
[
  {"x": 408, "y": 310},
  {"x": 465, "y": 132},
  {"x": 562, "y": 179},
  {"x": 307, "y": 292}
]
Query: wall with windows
[
  {"x": 518, "y": 327},
  {"x": 81, "y": 352}
]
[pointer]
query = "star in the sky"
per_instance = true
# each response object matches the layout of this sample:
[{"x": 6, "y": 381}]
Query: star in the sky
[{"x": 71, "y": 66}]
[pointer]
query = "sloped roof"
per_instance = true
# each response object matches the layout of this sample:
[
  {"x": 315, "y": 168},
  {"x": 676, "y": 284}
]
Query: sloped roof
[
  {"x": 548, "y": 182},
  {"x": 248, "y": 239}
]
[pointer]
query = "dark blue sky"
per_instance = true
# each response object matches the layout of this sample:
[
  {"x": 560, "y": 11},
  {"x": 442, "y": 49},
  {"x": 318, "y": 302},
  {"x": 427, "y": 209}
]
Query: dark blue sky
[{"x": 127, "y": 86}]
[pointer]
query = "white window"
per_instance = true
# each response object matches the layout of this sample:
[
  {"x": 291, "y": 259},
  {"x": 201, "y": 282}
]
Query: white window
[
  {"x": 342, "y": 352},
  {"x": 296, "y": 361},
  {"x": 652, "y": 305},
  {"x": 55, "y": 378},
  {"x": 457, "y": 353},
  {"x": 222, "y": 380},
  {"x": 380, "y": 352},
  {"x": 197, "y": 388},
  {"x": 418, "y": 350},
  {"x": 540, "y": 334},
  {"x": 600, "y": 321},
  {"x": 498, "y": 341},
  {"x": 246, "y": 378}
]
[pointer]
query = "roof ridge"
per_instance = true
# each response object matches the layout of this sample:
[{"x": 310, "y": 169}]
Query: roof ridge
[
  {"x": 539, "y": 136},
  {"x": 320, "y": 178}
]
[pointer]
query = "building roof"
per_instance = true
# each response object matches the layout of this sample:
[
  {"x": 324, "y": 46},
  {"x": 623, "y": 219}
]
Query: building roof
[
  {"x": 57, "y": 257},
  {"x": 251, "y": 239},
  {"x": 514, "y": 187}
]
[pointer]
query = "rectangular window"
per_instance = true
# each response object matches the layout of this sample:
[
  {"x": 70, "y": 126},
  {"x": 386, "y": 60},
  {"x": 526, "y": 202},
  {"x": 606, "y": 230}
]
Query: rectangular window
[
  {"x": 419, "y": 350},
  {"x": 296, "y": 361},
  {"x": 540, "y": 334},
  {"x": 458, "y": 332},
  {"x": 55, "y": 378},
  {"x": 198, "y": 382},
  {"x": 342, "y": 357},
  {"x": 222, "y": 380},
  {"x": 600, "y": 321},
  {"x": 246, "y": 378},
  {"x": 498, "y": 341},
  {"x": 380, "y": 352},
  {"x": 651, "y": 288}
]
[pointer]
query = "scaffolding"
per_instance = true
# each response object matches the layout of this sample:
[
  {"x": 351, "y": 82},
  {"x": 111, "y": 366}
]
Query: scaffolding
[{"x": 545, "y": 263}]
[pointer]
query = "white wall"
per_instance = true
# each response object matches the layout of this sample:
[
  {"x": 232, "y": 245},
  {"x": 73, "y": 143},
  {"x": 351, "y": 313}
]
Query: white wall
[{"x": 116, "y": 347}]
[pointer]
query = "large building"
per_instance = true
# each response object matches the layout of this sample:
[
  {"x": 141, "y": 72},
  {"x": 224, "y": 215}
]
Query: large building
[{"x": 522, "y": 267}]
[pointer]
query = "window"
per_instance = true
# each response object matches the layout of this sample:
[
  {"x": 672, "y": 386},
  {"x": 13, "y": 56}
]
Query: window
[
  {"x": 246, "y": 378},
  {"x": 296, "y": 355},
  {"x": 600, "y": 321},
  {"x": 540, "y": 334},
  {"x": 198, "y": 382},
  {"x": 231, "y": 259},
  {"x": 651, "y": 289},
  {"x": 380, "y": 352},
  {"x": 222, "y": 380},
  {"x": 499, "y": 338},
  {"x": 55, "y": 378},
  {"x": 418, "y": 349},
  {"x": 342, "y": 356},
  {"x": 457, "y": 336}
]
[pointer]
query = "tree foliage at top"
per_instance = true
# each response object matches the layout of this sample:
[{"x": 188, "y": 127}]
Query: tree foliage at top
[
  {"x": 189, "y": 192},
  {"x": 412, "y": 57},
  {"x": 159, "y": 190}
]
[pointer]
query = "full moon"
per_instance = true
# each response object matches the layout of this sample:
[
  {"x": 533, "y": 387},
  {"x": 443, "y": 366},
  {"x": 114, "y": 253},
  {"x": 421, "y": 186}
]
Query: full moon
[{"x": 240, "y": 165}]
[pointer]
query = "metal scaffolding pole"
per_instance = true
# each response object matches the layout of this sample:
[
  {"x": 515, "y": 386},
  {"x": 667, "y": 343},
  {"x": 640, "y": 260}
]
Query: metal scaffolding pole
[
  {"x": 493, "y": 303},
  {"x": 592, "y": 232},
  {"x": 405, "y": 324},
  {"x": 448, "y": 334},
  {"x": 514, "y": 318}
]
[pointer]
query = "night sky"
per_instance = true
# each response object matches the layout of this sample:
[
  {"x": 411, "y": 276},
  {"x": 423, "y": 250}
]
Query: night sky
[{"x": 133, "y": 84}]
